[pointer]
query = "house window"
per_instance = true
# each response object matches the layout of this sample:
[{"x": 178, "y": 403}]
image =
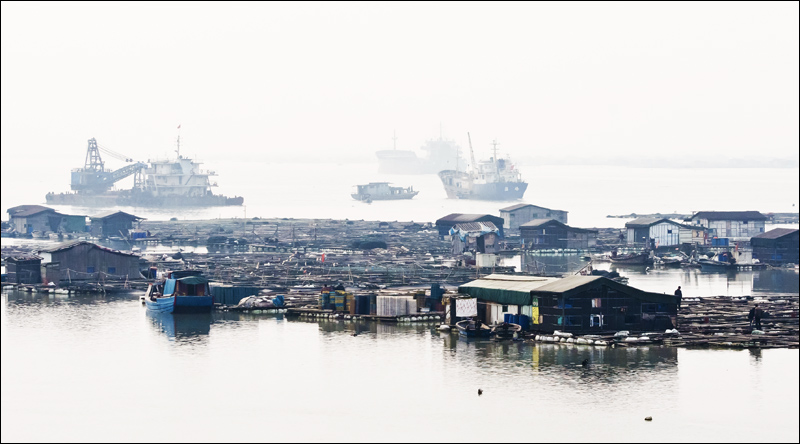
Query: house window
[
  {"x": 597, "y": 303},
  {"x": 90, "y": 269},
  {"x": 112, "y": 270},
  {"x": 669, "y": 231},
  {"x": 596, "y": 320},
  {"x": 505, "y": 308}
]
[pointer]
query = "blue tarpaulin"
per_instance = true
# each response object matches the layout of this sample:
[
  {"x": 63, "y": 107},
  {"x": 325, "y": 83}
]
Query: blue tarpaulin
[{"x": 169, "y": 287}]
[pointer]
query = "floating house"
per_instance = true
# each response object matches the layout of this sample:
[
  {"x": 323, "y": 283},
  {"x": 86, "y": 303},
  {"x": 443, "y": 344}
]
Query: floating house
[
  {"x": 476, "y": 237},
  {"x": 24, "y": 270},
  {"x": 577, "y": 304},
  {"x": 777, "y": 247},
  {"x": 550, "y": 234},
  {"x": 732, "y": 225},
  {"x": 663, "y": 232},
  {"x": 113, "y": 223},
  {"x": 82, "y": 260},
  {"x": 446, "y": 223},
  {"x": 516, "y": 215},
  {"x": 25, "y": 219}
]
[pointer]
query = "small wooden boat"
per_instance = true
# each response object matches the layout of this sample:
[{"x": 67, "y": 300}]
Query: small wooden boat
[
  {"x": 470, "y": 329},
  {"x": 712, "y": 265},
  {"x": 505, "y": 330},
  {"x": 670, "y": 261},
  {"x": 643, "y": 258}
]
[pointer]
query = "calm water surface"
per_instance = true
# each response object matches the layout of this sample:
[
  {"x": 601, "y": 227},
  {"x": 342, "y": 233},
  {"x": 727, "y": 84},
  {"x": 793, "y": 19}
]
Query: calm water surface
[{"x": 95, "y": 369}]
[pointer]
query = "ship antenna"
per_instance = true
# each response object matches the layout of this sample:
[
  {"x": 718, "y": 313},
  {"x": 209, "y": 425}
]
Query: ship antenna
[
  {"x": 471, "y": 155},
  {"x": 496, "y": 167},
  {"x": 178, "y": 151}
]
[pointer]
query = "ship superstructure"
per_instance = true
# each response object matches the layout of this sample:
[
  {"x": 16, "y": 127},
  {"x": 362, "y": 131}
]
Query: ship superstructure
[
  {"x": 438, "y": 154},
  {"x": 493, "y": 179}
]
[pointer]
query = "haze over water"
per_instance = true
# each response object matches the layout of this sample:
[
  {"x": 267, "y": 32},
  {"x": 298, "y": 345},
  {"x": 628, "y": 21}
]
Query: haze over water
[{"x": 322, "y": 191}]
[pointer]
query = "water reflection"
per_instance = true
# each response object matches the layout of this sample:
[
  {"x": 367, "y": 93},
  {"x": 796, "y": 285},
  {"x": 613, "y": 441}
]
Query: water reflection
[{"x": 181, "y": 326}]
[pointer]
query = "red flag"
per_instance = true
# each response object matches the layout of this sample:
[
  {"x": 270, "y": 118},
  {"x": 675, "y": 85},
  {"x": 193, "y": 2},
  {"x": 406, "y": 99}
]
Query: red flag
[{"x": 323, "y": 257}]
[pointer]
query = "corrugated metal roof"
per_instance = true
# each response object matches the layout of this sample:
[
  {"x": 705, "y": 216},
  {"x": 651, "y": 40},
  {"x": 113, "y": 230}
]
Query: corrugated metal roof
[
  {"x": 515, "y": 207},
  {"x": 112, "y": 213},
  {"x": 646, "y": 222},
  {"x": 505, "y": 289},
  {"x": 539, "y": 222},
  {"x": 28, "y": 210},
  {"x": 729, "y": 215},
  {"x": 568, "y": 283},
  {"x": 459, "y": 217},
  {"x": 469, "y": 227},
  {"x": 776, "y": 233},
  {"x": 72, "y": 244}
]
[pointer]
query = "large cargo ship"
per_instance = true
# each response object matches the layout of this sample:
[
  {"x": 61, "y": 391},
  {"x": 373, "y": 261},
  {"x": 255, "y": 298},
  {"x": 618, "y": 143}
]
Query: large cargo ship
[
  {"x": 439, "y": 154},
  {"x": 178, "y": 182},
  {"x": 493, "y": 179}
]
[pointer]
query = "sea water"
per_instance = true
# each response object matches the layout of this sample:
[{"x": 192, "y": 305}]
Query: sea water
[{"x": 91, "y": 368}]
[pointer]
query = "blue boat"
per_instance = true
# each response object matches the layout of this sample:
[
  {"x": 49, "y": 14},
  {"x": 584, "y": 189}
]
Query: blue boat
[
  {"x": 182, "y": 291},
  {"x": 158, "y": 303}
]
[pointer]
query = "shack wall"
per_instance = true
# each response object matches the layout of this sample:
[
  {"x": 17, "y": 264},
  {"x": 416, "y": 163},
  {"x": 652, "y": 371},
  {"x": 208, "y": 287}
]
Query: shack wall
[{"x": 86, "y": 261}]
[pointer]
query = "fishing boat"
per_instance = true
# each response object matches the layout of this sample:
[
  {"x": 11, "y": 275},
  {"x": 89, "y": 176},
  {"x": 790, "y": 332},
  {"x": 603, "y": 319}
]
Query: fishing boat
[
  {"x": 382, "y": 191},
  {"x": 642, "y": 258},
  {"x": 505, "y": 330},
  {"x": 181, "y": 291},
  {"x": 669, "y": 261},
  {"x": 471, "y": 329},
  {"x": 494, "y": 179},
  {"x": 714, "y": 265}
]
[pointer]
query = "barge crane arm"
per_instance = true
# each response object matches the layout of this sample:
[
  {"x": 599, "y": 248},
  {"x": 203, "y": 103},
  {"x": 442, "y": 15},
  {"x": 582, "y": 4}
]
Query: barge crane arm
[{"x": 94, "y": 178}]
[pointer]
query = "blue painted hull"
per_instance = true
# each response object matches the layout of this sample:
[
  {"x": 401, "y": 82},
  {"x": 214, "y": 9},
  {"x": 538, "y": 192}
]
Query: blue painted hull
[
  {"x": 161, "y": 305},
  {"x": 193, "y": 303}
]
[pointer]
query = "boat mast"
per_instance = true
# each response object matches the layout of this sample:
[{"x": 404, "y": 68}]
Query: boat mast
[
  {"x": 471, "y": 155},
  {"x": 394, "y": 139},
  {"x": 178, "y": 150},
  {"x": 496, "y": 168}
]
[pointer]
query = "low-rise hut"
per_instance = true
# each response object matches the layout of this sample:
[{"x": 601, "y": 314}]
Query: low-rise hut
[
  {"x": 477, "y": 237},
  {"x": 733, "y": 225},
  {"x": 446, "y": 223},
  {"x": 24, "y": 270},
  {"x": 113, "y": 223},
  {"x": 82, "y": 260},
  {"x": 550, "y": 234},
  {"x": 516, "y": 215},
  {"x": 777, "y": 247},
  {"x": 25, "y": 219},
  {"x": 577, "y": 304},
  {"x": 644, "y": 231}
]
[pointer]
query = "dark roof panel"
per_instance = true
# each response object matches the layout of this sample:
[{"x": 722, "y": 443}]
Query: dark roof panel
[
  {"x": 729, "y": 215},
  {"x": 459, "y": 217},
  {"x": 776, "y": 233},
  {"x": 28, "y": 210}
]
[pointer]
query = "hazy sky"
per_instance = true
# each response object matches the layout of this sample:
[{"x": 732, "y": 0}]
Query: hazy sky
[{"x": 276, "y": 81}]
